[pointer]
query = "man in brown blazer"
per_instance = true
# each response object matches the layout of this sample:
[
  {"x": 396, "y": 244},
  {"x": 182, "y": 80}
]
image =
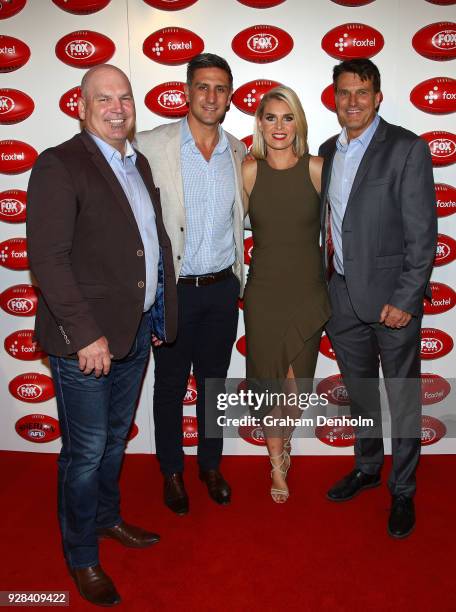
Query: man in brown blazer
[{"x": 103, "y": 261}]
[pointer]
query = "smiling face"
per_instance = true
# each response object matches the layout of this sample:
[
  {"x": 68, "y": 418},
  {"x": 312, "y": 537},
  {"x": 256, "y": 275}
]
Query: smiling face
[
  {"x": 277, "y": 125},
  {"x": 208, "y": 96},
  {"x": 356, "y": 103},
  {"x": 106, "y": 106}
]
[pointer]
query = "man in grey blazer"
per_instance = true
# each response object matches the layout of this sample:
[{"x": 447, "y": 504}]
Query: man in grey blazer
[
  {"x": 379, "y": 204},
  {"x": 197, "y": 167}
]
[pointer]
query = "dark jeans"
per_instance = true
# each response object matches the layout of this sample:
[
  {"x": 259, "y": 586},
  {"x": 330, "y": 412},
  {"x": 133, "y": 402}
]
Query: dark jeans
[
  {"x": 359, "y": 347},
  {"x": 95, "y": 416},
  {"x": 207, "y": 326}
]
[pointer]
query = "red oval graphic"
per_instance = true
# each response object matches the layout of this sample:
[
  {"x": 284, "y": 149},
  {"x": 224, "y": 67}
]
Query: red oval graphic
[
  {"x": 68, "y": 102},
  {"x": 261, "y": 4},
  {"x": 436, "y": 96},
  {"x": 328, "y": 99},
  {"x": 167, "y": 99},
  {"x": 20, "y": 300},
  {"x": 84, "y": 49},
  {"x": 172, "y": 46},
  {"x": 443, "y": 299},
  {"x": 262, "y": 43},
  {"x": 442, "y": 146},
  {"x": 38, "y": 428},
  {"x": 445, "y": 250},
  {"x": 9, "y": 8},
  {"x": 32, "y": 387},
  {"x": 435, "y": 343},
  {"x": 190, "y": 431},
  {"x": 170, "y": 5},
  {"x": 191, "y": 394},
  {"x": 247, "y": 97},
  {"x": 432, "y": 430},
  {"x": 248, "y": 249},
  {"x": 13, "y": 205},
  {"x": 241, "y": 346},
  {"x": 445, "y": 196},
  {"x": 334, "y": 389},
  {"x": 436, "y": 41},
  {"x": 13, "y": 53},
  {"x": 434, "y": 388},
  {"x": 13, "y": 254},
  {"x": 15, "y": 106},
  {"x": 352, "y": 40},
  {"x": 338, "y": 436},
  {"x": 20, "y": 345},
  {"x": 81, "y": 7},
  {"x": 16, "y": 156},
  {"x": 326, "y": 347},
  {"x": 248, "y": 141},
  {"x": 253, "y": 434}
]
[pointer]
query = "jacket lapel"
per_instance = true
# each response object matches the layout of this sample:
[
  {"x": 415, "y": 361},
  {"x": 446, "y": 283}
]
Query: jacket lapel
[
  {"x": 173, "y": 154},
  {"x": 106, "y": 171}
]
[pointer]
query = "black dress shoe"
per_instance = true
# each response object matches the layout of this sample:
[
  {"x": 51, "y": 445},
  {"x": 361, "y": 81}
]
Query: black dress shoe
[
  {"x": 95, "y": 586},
  {"x": 352, "y": 484},
  {"x": 402, "y": 517},
  {"x": 129, "y": 535},
  {"x": 174, "y": 493},
  {"x": 219, "y": 489}
]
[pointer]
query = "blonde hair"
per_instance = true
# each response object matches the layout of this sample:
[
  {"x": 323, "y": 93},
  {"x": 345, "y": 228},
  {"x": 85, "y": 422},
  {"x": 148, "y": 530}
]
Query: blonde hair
[{"x": 284, "y": 94}]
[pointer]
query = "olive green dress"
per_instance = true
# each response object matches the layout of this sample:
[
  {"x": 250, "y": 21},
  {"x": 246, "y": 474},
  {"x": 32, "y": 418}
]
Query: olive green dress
[{"x": 286, "y": 301}]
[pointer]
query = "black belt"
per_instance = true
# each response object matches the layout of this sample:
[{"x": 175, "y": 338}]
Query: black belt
[{"x": 206, "y": 279}]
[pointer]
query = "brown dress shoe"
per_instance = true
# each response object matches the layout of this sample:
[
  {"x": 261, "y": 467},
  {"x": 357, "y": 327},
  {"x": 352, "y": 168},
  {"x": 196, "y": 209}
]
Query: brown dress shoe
[
  {"x": 129, "y": 535},
  {"x": 174, "y": 493},
  {"x": 219, "y": 489},
  {"x": 95, "y": 586}
]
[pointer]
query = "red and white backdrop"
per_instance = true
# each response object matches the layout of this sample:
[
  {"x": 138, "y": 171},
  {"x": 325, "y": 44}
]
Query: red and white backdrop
[{"x": 45, "y": 45}]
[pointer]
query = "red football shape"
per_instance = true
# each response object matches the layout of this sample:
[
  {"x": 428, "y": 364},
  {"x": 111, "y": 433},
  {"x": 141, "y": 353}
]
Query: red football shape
[
  {"x": 261, "y": 3},
  {"x": 8, "y": 8},
  {"x": 352, "y": 2},
  {"x": 241, "y": 303},
  {"x": 38, "y": 428},
  {"x": 253, "y": 434},
  {"x": 241, "y": 346},
  {"x": 170, "y": 5},
  {"x": 81, "y": 7},
  {"x": 248, "y": 141},
  {"x": 262, "y": 43},
  {"x": 434, "y": 388},
  {"x": 436, "y": 41},
  {"x": 335, "y": 435},
  {"x": 15, "y": 106},
  {"x": 13, "y": 53},
  {"x": 133, "y": 432},
  {"x": 13, "y": 254},
  {"x": 352, "y": 40},
  {"x": 20, "y": 345},
  {"x": 190, "y": 431},
  {"x": 191, "y": 393},
  {"x": 167, "y": 99},
  {"x": 334, "y": 389},
  {"x": 326, "y": 347},
  {"x": 248, "y": 248},
  {"x": 16, "y": 156},
  {"x": 435, "y": 343},
  {"x": 442, "y": 146},
  {"x": 69, "y": 102},
  {"x": 443, "y": 299},
  {"x": 446, "y": 250},
  {"x": 442, "y": 2},
  {"x": 432, "y": 430},
  {"x": 436, "y": 96},
  {"x": 32, "y": 387},
  {"x": 172, "y": 46},
  {"x": 247, "y": 97},
  {"x": 328, "y": 99},
  {"x": 13, "y": 205},
  {"x": 20, "y": 300},
  {"x": 84, "y": 49},
  {"x": 445, "y": 196}
]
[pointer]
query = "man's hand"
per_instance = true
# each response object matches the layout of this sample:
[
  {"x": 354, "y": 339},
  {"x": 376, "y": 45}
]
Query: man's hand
[
  {"x": 156, "y": 341},
  {"x": 95, "y": 356},
  {"x": 394, "y": 317}
]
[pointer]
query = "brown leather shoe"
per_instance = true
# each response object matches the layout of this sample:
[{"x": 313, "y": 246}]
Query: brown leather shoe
[
  {"x": 129, "y": 535},
  {"x": 219, "y": 489},
  {"x": 95, "y": 586},
  {"x": 174, "y": 493}
]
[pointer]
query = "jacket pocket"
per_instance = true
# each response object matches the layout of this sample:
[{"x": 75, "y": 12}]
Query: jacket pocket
[{"x": 389, "y": 261}]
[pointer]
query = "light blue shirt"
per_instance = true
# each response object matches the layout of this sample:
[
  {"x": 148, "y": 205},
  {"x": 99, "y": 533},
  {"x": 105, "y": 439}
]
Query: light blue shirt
[
  {"x": 139, "y": 199},
  {"x": 346, "y": 162},
  {"x": 209, "y": 192}
]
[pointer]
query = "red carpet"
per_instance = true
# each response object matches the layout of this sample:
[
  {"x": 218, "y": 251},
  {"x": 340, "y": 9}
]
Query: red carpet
[{"x": 308, "y": 554}]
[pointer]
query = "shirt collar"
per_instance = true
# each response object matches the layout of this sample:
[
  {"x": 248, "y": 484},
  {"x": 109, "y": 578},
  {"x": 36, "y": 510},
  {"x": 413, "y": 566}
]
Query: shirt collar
[
  {"x": 187, "y": 137},
  {"x": 364, "y": 138},
  {"x": 110, "y": 152}
]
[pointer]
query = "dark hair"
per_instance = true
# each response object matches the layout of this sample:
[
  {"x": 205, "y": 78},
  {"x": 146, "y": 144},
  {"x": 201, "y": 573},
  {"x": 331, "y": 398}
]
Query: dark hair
[
  {"x": 208, "y": 60},
  {"x": 363, "y": 67}
]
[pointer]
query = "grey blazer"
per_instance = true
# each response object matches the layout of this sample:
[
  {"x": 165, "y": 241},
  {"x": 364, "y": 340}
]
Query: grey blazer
[
  {"x": 161, "y": 146},
  {"x": 389, "y": 230}
]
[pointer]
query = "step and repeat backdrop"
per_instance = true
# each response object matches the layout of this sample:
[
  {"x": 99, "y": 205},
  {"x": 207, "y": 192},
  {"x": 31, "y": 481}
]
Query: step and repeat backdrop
[{"x": 45, "y": 47}]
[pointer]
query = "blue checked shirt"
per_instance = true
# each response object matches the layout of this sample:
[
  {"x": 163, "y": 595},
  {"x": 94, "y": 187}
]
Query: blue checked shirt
[
  {"x": 346, "y": 162},
  {"x": 137, "y": 195},
  {"x": 209, "y": 192}
]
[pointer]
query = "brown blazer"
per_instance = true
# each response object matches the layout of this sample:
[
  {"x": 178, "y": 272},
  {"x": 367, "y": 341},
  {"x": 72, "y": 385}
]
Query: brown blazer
[{"x": 86, "y": 252}]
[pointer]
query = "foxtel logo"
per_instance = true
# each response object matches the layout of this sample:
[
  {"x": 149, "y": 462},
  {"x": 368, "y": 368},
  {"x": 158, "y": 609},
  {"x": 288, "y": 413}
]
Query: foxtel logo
[
  {"x": 8, "y": 50},
  {"x": 12, "y": 156},
  {"x": 179, "y": 46}
]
